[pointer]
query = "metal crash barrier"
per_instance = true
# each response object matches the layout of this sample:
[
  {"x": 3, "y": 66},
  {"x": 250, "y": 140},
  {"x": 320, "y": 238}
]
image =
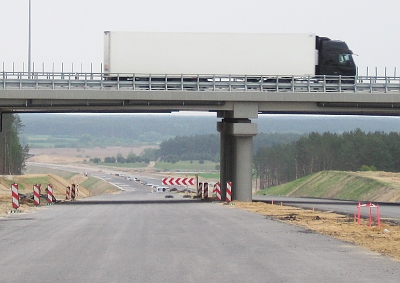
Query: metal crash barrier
[{"x": 183, "y": 82}]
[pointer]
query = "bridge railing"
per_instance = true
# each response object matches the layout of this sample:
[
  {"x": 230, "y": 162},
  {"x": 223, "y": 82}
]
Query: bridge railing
[{"x": 152, "y": 82}]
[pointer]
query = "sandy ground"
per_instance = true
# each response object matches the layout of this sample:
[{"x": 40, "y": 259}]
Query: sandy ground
[{"x": 384, "y": 240}]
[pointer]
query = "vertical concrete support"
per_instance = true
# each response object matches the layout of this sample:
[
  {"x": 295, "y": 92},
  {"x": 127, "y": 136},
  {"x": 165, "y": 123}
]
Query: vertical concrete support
[
  {"x": 236, "y": 157},
  {"x": 222, "y": 159},
  {"x": 242, "y": 179},
  {"x": 226, "y": 158}
]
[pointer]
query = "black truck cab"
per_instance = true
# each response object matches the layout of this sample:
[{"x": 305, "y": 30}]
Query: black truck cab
[{"x": 334, "y": 58}]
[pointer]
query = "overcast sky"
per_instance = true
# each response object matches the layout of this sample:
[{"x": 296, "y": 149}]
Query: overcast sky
[{"x": 71, "y": 31}]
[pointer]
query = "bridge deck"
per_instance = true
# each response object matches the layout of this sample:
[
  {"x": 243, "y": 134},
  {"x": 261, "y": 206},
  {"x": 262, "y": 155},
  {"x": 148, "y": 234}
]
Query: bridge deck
[{"x": 76, "y": 92}]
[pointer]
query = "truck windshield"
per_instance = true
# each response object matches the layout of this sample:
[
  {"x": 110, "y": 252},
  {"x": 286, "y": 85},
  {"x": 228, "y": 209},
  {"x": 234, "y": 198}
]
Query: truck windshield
[{"x": 345, "y": 59}]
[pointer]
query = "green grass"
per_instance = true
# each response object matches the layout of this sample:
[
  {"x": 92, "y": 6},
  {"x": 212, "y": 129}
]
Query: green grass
[
  {"x": 124, "y": 165},
  {"x": 43, "y": 180},
  {"x": 90, "y": 182},
  {"x": 41, "y": 170},
  {"x": 283, "y": 189},
  {"x": 27, "y": 183},
  {"x": 186, "y": 166},
  {"x": 329, "y": 184},
  {"x": 209, "y": 175},
  {"x": 98, "y": 186}
]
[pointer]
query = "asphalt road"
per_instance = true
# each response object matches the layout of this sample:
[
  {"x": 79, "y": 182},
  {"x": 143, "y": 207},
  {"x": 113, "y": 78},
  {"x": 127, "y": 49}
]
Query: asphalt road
[{"x": 138, "y": 236}]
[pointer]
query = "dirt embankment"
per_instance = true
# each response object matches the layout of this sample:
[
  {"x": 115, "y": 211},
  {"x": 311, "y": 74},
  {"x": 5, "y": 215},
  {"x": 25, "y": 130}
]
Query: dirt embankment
[{"x": 25, "y": 189}]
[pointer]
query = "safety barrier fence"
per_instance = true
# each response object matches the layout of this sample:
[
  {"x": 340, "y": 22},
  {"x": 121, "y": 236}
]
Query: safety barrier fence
[
  {"x": 369, "y": 206},
  {"x": 37, "y": 194},
  {"x": 183, "y": 82}
]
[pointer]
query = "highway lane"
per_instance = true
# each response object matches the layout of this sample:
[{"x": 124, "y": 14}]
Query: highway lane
[
  {"x": 389, "y": 211},
  {"x": 139, "y": 236}
]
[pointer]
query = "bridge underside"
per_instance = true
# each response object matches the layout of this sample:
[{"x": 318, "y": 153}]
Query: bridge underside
[{"x": 235, "y": 108}]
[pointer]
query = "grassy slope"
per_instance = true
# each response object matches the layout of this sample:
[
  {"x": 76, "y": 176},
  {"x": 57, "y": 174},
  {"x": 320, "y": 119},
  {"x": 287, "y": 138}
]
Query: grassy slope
[{"x": 338, "y": 185}]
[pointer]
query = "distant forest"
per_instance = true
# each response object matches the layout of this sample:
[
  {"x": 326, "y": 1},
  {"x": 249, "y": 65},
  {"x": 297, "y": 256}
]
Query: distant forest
[
  {"x": 67, "y": 130},
  {"x": 350, "y": 151},
  {"x": 207, "y": 147}
]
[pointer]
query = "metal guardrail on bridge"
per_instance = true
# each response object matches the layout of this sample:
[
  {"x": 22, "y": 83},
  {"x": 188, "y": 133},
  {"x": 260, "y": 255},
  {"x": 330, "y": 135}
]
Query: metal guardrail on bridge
[{"x": 152, "y": 82}]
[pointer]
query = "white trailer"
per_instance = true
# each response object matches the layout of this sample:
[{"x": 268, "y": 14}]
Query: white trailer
[{"x": 128, "y": 53}]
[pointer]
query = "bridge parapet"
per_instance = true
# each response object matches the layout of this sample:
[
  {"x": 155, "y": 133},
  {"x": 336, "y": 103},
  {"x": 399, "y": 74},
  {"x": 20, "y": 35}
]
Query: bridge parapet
[{"x": 209, "y": 83}]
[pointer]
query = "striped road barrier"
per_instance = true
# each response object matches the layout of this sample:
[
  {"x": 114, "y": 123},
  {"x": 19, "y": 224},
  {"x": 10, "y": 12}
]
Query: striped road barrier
[
  {"x": 15, "y": 195},
  {"x": 200, "y": 190},
  {"x": 205, "y": 188},
  {"x": 67, "y": 193},
  {"x": 50, "y": 195},
  {"x": 228, "y": 191},
  {"x": 73, "y": 195},
  {"x": 36, "y": 194},
  {"x": 217, "y": 191}
]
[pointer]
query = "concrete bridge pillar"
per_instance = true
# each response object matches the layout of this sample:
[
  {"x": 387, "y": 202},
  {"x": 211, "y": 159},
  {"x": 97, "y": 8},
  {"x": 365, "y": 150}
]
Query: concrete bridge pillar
[{"x": 236, "y": 134}]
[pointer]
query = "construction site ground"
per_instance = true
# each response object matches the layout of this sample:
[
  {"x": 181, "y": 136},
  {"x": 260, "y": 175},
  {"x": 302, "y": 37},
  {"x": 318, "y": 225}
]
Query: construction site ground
[{"x": 384, "y": 239}]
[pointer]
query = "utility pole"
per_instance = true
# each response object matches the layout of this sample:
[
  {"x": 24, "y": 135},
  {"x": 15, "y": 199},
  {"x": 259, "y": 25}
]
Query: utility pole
[{"x": 29, "y": 43}]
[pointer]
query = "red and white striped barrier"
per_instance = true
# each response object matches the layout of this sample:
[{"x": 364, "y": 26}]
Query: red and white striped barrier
[
  {"x": 217, "y": 191},
  {"x": 205, "y": 190},
  {"x": 50, "y": 195},
  {"x": 67, "y": 193},
  {"x": 15, "y": 195},
  {"x": 228, "y": 191},
  {"x": 73, "y": 195},
  {"x": 200, "y": 190},
  {"x": 36, "y": 194}
]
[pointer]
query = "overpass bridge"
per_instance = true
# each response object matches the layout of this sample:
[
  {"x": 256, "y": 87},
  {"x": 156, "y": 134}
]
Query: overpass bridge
[{"x": 237, "y": 99}]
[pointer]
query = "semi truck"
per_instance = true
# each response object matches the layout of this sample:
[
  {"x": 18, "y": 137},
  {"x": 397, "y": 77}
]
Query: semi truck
[{"x": 138, "y": 55}]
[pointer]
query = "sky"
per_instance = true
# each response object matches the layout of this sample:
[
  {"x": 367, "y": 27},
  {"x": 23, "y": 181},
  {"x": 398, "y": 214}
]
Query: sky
[{"x": 71, "y": 31}]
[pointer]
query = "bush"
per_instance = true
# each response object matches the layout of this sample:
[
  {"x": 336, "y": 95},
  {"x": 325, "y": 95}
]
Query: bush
[
  {"x": 368, "y": 168},
  {"x": 95, "y": 160}
]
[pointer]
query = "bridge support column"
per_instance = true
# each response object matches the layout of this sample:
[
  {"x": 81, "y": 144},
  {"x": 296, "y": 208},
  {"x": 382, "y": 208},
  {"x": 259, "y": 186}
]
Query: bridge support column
[{"x": 236, "y": 152}]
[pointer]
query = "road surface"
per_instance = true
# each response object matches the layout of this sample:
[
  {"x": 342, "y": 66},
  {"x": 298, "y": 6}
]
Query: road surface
[{"x": 138, "y": 236}]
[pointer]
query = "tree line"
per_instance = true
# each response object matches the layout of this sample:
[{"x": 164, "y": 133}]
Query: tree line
[
  {"x": 350, "y": 151},
  {"x": 196, "y": 147},
  {"x": 148, "y": 154},
  {"x": 12, "y": 153}
]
